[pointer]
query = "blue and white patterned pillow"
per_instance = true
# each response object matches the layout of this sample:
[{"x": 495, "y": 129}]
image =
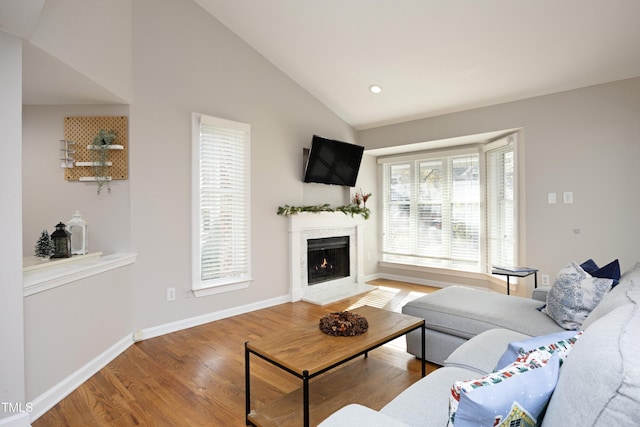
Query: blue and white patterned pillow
[
  {"x": 517, "y": 394},
  {"x": 573, "y": 295}
]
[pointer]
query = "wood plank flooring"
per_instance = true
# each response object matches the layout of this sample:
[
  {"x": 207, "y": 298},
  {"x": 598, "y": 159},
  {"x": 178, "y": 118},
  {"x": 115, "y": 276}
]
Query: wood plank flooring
[{"x": 195, "y": 377}]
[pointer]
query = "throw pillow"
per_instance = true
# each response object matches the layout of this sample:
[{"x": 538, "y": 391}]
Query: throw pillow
[
  {"x": 609, "y": 271},
  {"x": 516, "y": 394},
  {"x": 560, "y": 342},
  {"x": 589, "y": 266},
  {"x": 573, "y": 295}
]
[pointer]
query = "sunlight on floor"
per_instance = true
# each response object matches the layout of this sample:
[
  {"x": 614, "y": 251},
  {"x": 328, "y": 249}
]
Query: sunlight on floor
[
  {"x": 388, "y": 298},
  {"x": 378, "y": 298}
]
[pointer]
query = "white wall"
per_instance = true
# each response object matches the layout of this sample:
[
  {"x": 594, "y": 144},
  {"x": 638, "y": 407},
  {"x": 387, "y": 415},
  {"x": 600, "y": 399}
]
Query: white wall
[
  {"x": 12, "y": 386},
  {"x": 93, "y": 37},
  {"x": 69, "y": 326},
  {"x": 584, "y": 141},
  {"x": 48, "y": 198},
  {"x": 186, "y": 61}
]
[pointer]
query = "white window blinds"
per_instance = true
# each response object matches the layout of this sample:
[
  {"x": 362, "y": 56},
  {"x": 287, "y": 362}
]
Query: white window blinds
[
  {"x": 501, "y": 235},
  {"x": 432, "y": 211},
  {"x": 221, "y": 190}
]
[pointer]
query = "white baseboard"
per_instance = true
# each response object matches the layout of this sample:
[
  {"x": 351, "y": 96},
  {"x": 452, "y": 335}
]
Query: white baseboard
[
  {"x": 55, "y": 394},
  {"x": 425, "y": 282},
  {"x": 179, "y": 325},
  {"x": 415, "y": 280}
]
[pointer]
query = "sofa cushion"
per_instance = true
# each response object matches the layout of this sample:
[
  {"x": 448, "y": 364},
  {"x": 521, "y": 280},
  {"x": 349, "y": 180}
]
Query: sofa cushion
[
  {"x": 425, "y": 402},
  {"x": 480, "y": 353},
  {"x": 358, "y": 415},
  {"x": 518, "y": 393},
  {"x": 465, "y": 312},
  {"x": 559, "y": 342},
  {"x": 573, "y": 295},
  {"x": 599, "y": 384},
  {"x": 540, "y": 293}
]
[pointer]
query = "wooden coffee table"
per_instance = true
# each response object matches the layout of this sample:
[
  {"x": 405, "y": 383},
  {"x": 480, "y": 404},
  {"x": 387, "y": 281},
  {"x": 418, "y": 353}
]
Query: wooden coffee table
[{"x": 308, "y": 352}]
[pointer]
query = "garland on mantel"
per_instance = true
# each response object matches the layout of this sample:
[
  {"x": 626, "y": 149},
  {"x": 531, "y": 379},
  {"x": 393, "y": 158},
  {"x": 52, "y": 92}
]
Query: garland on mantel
[{"x": 349, "y": 209}]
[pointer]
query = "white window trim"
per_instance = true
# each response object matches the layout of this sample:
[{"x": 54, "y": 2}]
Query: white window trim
[
  {"x": 519, "y": 197},
  {"x": 513, "y": 139},
  {"x": 199, "y": 287}
]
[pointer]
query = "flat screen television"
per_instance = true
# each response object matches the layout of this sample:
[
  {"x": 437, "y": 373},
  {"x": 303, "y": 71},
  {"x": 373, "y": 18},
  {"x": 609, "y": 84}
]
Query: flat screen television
[{"x": 332, "y": 162}]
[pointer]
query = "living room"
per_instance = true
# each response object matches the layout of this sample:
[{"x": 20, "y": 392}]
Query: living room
[{"x": 582, "y": 140}]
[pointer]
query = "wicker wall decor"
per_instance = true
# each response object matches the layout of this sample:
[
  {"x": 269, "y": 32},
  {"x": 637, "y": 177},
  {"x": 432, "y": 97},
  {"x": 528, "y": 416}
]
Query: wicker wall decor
[{"x": 82, "y": 130}]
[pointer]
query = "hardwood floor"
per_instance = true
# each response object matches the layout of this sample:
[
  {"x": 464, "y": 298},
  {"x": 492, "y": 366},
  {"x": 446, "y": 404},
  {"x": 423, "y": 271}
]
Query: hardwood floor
[{"x": 195, "y": 377}]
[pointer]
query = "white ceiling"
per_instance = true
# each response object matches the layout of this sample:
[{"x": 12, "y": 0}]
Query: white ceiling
[{"x": 434, "y": 57}]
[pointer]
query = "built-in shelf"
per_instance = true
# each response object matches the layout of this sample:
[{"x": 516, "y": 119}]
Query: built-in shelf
[{"x": 40, "y": 277}]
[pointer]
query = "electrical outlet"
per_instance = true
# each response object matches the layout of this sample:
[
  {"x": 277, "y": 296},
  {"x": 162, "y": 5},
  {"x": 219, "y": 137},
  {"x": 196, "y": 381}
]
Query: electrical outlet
[
  {"x": 171, "y": 294},
  {"x": 545, "y": 280}
]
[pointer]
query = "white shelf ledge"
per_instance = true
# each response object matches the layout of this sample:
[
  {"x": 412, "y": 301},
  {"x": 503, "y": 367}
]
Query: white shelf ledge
[
  {"x": 94, "y": 163},
  {"x": 109, "y": 147},
  {"x": 94, "y": 178},
  {"x": 67, "y": 270},
  {"x": 32, "y": 263}
]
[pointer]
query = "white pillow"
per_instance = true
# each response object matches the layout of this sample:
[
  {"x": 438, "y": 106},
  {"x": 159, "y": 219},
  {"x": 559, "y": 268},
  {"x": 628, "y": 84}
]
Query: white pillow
[{"x": 573, "y": 295}]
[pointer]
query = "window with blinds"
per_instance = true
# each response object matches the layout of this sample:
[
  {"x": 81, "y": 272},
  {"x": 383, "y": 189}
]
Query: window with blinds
[
  {"x": 221, "y": 188},
  {"x": 432, "y": 211},
  {"x": 501, "y": 234},
  {"x": 432, "y": 208}
]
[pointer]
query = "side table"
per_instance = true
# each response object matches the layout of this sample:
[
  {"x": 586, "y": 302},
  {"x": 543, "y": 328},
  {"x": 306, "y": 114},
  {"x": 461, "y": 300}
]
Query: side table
[{"x": 516, "y": 272}]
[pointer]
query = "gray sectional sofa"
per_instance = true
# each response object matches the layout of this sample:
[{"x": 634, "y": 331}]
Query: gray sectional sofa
[{"x": 598, "y": 384}]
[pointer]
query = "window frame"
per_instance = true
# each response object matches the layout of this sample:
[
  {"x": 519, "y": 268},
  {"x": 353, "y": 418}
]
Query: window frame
[
  {"x": 482, "y": 149},
  {"x": 200, "y": 286}
]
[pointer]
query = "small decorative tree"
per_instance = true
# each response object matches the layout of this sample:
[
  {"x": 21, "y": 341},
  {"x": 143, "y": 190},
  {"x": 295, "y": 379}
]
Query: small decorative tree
[
  {"x": 44, "y": 247},
  {"x": 101, "y": 143}
]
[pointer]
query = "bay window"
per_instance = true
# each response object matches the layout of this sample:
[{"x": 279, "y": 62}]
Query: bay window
[{"x": 450, "y": 209}]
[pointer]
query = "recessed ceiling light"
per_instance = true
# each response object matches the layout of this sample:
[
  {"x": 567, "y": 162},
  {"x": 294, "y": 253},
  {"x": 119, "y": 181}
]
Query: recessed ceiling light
[{"x": 375, "y": 89}]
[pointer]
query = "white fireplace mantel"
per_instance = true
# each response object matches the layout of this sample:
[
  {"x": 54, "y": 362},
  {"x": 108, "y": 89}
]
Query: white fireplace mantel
[{"x": 307, "y": 225}]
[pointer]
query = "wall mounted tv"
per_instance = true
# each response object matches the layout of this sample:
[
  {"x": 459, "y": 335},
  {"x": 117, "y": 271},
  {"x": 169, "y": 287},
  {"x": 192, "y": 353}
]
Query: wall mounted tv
[{"x": 332, "y": 162}]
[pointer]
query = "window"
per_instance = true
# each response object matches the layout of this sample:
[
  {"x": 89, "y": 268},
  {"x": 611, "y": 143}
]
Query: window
[
  {"x": 433, "y": 208},
  {"x": 501, "y": 235},
  {"x": 220, "y": 221}
]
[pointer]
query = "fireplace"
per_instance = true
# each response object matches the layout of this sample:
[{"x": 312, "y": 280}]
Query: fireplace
[
  {"x": 327, "y": 259},
  {"x": 320, "y": 229}
]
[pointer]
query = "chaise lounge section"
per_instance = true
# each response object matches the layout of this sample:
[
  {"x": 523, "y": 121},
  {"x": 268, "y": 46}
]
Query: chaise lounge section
[{"x": 454, "y": 315}]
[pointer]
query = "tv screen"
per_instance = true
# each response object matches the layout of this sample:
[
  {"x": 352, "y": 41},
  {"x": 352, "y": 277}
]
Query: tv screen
[{"x": 333, "y": 162}]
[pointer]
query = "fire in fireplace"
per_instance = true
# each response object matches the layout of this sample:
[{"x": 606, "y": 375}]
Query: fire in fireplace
[{"x": 327, "y": 259}]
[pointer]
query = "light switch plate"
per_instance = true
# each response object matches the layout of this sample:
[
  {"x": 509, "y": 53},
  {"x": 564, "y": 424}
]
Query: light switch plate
[{"x": 567, "y": 197}]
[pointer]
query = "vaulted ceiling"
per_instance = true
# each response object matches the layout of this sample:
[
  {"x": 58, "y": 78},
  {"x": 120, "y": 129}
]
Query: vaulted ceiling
[
  {"x": 430, "y": 57},
  {"x": 433, "y": 57}
]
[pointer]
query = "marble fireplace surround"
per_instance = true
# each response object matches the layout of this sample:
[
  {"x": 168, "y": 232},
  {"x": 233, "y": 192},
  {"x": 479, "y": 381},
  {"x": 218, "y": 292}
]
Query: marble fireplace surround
[{"x": 307, "y": 225}]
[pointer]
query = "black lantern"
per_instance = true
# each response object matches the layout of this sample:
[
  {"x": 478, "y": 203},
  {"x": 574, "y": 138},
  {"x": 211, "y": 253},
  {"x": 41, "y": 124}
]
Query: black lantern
[{"x": 61, "y": 240}]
